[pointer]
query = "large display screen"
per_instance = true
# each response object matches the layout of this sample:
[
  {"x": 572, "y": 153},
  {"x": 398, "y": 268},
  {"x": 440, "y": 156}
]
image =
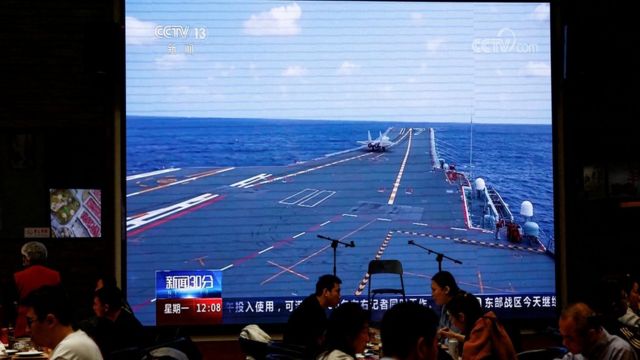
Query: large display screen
[{"x": 258, "y": 131}]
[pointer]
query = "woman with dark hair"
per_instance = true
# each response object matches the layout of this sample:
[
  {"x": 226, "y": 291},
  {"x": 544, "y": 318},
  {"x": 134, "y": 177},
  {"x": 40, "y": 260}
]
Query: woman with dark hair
[
  {"x": 485, "y": 337},
  {"x": 347, "y": 333},
  {"x": 443, "y": 289}
]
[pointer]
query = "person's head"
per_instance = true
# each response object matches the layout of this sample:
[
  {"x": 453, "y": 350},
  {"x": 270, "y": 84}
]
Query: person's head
[
  {"x": 107, "y": 302},
  {"x": 33, "y": 253},
  {"x": 347, "y": 329},
  {"x": 580, "y": 327},
  {"x": 464, "y": 310},
  {"x": 631, "y": 291},
  {"x": 48, "y": 315},
  {"x": 408, "y": 331},
  {"x": 328, "y": 290},
  {"x": 443, "y": 287}
]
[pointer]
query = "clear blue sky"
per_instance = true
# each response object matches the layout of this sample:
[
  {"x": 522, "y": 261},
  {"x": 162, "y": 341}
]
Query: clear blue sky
[{"x": 384, "y": 61}]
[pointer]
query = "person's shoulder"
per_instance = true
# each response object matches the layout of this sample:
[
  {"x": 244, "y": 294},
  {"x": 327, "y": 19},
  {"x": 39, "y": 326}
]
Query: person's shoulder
[
  {"x": 617, "y": 342},
  {"x": 334, "y": 355}
]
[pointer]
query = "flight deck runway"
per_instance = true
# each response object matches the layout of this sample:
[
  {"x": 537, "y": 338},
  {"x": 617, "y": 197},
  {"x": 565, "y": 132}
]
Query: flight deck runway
[{"x": 259, "y": 225}]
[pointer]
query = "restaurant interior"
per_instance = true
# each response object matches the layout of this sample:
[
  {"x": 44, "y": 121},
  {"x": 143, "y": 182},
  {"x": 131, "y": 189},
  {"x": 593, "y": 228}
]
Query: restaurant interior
[{"x": 63, "y": 110}]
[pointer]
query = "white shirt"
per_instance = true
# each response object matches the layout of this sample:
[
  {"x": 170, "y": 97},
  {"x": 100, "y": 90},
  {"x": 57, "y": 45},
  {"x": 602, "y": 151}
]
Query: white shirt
[
  {"x": 334, "y": 355},
  {"x": 76, "y": 346}
]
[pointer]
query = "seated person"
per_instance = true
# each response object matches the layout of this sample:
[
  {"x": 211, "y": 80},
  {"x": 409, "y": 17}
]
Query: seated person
[
  {"x": 308, "y": 321},
  {"x": 347, "y": 333},
  {"x": 443, "y": 289},
  {"x": 631, "y": 299},
  {"x": 585, "y": 338},
  {"x": 106, "y": 280},
  {"x": 484, "y": 336},
  {"x": 408, "y": 332},
  {"x": 116, "y": 328},
  {"x": 48, "y": 316},
  {"x": 35, "y": 274}
]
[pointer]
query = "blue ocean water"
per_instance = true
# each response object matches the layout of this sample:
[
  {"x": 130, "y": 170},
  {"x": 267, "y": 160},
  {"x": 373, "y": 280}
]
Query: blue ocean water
[{"x": 516, "y": 159}]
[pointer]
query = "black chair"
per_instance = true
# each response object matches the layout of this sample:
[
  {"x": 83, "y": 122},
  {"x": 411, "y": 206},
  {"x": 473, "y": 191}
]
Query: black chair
[
  {"x": 256, "y": 349},
  {"x": 182, "y": 344},
  {"x": 377, "y": 267},
  {"x": 542, "y": 354},
  {"x": 283, "y": 351}
]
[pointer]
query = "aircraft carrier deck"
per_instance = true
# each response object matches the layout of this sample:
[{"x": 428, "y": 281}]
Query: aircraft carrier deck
[{"x": 259, "y": 225}]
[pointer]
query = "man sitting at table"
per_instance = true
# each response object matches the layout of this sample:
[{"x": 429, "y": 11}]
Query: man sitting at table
[
  {"x": 118, "y": 328},
  {"x": 308, "y": 321},
  {"x": 48, "y": 314},
  {"x": 585, "y": 338},
  {"x": 408, "y": 332}
]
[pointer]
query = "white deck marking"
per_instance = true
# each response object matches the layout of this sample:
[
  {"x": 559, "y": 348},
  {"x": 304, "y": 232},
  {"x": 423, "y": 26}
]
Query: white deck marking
[
  {"x": 294, "y": 265},
  {"x": 350, "y": 215},
  {"x": 383, "y": 219},
  {"x": 265, "y": 250},
  {"x": 288, "y": 270},
  {"x": 328, "y": 195},
  {"x": 325, "y": 223},
  {"x": 215, "y": 172},
  {"x": 152, "y": 173},
  {"x": 306, "y": 193},
  {"x": 396, "y": 185},
  {"x": 251, "y": 180},
  {"x": 421, "y": 224},
  {"x": 309, "y": 170},
  {"x": 158, "y": 214},
  {"x": 226, "y": 267},
  {"x": 459, "y": 229},
  {"x": 297, "y": 236}
]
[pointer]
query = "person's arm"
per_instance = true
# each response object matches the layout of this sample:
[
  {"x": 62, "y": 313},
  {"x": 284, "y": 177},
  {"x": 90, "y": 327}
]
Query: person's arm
[{"x": 450, "y": 334}]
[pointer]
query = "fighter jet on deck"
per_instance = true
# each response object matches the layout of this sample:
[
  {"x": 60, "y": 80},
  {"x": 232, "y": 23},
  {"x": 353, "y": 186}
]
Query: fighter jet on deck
[{"x": 379, "y": 144}]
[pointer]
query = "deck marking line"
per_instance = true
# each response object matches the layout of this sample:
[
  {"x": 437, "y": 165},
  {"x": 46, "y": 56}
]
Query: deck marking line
[
  {"x": 152, "y": 173},
  {"x": 475, "y": 242},
  {"x": 265, "y": 250},
  {"x": 297, "y": 236},
  {"x": 325, "y": 223},
  {"x": 330, "y": 194},
  {"x": 145, "y": 223},
  {"x": 288, "y": 270},
  {"x": 378, "y": 256},
  {"x": 296, "y": 264},
  {"x": 285, "y": 202},
  {"x": 208, "y": 173},
  {"x": 350, "y": 215},
  {"x": 396, "y": 185},
  {"x": 308, "y": 170},
  {"x": 226, "y": 267}
]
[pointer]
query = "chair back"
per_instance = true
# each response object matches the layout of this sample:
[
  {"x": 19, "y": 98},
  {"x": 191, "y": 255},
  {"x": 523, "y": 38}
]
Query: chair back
[
  {"x": 385, "y": 267},
  {"x": 377, "y": 267}
]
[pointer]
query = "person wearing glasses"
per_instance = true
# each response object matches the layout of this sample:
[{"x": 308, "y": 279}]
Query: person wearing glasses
[{"x": 48, "y": 317}]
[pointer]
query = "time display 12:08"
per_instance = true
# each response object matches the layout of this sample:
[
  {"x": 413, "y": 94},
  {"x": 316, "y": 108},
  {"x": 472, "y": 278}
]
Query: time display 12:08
[{"x": 208, "y": 307}]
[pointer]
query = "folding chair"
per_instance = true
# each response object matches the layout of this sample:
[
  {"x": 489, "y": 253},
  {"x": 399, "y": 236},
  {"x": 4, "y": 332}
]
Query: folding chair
[{"x": 384, "y": 267}]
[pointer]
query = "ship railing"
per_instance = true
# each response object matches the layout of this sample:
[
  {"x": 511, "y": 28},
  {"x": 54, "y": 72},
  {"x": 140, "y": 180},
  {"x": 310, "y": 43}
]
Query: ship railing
[
  {"x": 550, "y": 243},
  {"x": 432, "y": 147},
  {"x": 499, "y": 205}
]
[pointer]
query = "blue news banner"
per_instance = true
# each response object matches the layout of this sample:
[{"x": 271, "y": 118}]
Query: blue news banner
[
  {"x": 189, "y": 297},
  {"x": 195, "y": 298}
]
